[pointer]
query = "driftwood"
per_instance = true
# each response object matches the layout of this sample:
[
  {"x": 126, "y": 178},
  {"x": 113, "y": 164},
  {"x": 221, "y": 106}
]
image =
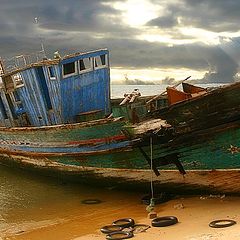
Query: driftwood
[
  {"x": 153, "y": 125},
  {"x": 130, "y": 97}
]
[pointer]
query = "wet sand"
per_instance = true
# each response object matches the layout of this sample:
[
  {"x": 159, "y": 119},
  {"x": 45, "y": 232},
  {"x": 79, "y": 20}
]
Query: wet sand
[
  {"x": 34, "y": 208},
  {"x": 83, "y": 222}
]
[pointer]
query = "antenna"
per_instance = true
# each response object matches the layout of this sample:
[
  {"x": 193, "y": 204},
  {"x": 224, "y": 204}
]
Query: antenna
[{"x": 41, "y": 41}]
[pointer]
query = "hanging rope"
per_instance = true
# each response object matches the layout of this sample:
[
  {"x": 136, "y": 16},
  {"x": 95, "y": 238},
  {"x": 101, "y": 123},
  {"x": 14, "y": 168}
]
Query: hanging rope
[
  {"x": 151, "y": 155},
  {"x": 150, "y": 207}
]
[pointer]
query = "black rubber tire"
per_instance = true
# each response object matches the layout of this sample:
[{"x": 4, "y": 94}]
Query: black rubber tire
[
  {"x": 125, "y": 235},
  {"x": 111, "y": 228},
  {"x": 124, "y": 222},
  {"x": 91, "y": 201},
  {"x": 164, "y": 221},
  {"x": 220, "y": 224}
]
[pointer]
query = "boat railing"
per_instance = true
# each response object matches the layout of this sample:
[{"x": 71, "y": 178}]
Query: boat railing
[{"x": 21, "y": 61}]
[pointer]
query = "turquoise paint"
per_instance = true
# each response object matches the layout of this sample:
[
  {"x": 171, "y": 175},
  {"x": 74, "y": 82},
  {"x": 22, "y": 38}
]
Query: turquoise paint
[{"x": 213, "y": 153}]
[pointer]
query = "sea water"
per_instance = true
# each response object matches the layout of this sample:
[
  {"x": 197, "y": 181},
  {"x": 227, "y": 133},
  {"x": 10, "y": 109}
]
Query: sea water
[{"x": 118, "y": 91}]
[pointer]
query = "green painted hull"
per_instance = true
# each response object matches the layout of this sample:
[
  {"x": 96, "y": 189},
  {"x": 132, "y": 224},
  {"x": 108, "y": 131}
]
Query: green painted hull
[{"x": 210, "y": 158}]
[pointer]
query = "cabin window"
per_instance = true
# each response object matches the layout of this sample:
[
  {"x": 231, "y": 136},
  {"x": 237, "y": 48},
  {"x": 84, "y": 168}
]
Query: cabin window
[
  {"x": 18, "y": 80},
  {"x": 100, "y": 61},
  {"x": 85, "y": 65},
  {"x": 69, "y": 69},
  {"x": 51, "y": 73}
]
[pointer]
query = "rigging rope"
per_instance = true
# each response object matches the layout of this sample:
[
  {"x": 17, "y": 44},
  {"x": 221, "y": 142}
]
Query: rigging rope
[
  {"x": 150, "y": 207},
  {"x": 151, "y": 152}
]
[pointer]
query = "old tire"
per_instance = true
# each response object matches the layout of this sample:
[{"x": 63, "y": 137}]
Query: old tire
[
  {"x": 91, "y": 201},
  {"x": 119, "y": 235},
  {"x": 222, "y": 223},
  {"x": 124, "y": 222},
  {"x": 111, "y": 228},
  {"x": 164, "y": 221}
]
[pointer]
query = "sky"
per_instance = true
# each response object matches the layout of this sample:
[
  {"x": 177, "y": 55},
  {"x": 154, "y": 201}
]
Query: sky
[{"x": 149, "y": 40}]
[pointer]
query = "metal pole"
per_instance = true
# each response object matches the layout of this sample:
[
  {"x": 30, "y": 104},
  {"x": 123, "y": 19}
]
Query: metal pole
[{"x": 41, "y": 40}]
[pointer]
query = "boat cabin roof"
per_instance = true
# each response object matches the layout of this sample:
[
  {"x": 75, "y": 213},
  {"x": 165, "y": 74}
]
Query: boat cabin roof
[{"x": 65, "y": 59}]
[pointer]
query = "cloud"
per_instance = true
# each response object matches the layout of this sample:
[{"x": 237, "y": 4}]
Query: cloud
[
  {"x": 218, "y": 16},
  {"x": 167, "y": 21},
  {"x": 70, "y": 26},
  {"x": 222, "y": 68}
]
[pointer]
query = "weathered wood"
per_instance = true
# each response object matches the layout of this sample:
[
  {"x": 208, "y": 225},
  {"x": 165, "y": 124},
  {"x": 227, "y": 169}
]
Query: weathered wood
[
  {"x": 217, "y": 107},
  {"x": 189, "y": 88},
  {"x": 147, "y": 126},
  {"x": 164, "y": 92},
  {"x": 175, "y": 96}
]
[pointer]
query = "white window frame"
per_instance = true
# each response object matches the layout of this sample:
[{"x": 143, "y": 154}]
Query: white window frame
[
  {"x": 70, "y": 74},
  {"x": 88, "y": 69},
  {"x": 101, "y": 66},
  {"x": 49, "y": 73},
  {"x": 18, "y": 75}
]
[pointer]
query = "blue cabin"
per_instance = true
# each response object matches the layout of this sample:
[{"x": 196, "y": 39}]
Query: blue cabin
[{"x": 71, "y": 89}]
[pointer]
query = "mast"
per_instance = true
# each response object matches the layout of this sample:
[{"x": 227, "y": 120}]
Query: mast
[{"x": 41, "y": 40}]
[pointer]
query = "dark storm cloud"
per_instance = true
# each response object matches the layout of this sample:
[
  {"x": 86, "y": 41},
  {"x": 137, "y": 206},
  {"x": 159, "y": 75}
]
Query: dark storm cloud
[
  {"x": 58, "y": 18},
  {"x": 69, "y": 26},
  {"x": 212, "y": 15},
  {"x": 216, "y": 16},
  {"x": 222, "y": 68},
  {"x": 55, "y": 14}
]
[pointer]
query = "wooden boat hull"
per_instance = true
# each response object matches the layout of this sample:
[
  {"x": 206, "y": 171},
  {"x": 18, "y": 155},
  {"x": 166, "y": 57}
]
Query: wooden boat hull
[
  {"x": 214, "y": 108},
  {"x": 76, "y": 88},
  {"x": 210, "y": 158},
  {"x": 195, "y": 181}
]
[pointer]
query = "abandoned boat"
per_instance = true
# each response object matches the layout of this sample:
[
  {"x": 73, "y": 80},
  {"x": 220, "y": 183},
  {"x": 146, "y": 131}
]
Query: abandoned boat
[
  {"x": 199, "y": 140},
  {"x": 56, "y": 117}
]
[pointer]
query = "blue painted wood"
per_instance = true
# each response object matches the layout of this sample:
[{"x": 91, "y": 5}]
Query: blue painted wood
[
  {"x": 43, "y": 87},
  {"x": 83, "y": 93},
  {"x": 3, "y": 112},
  {"x": 50, "y": 99},
  {"x": 33, "y": 101},
  {"x": 55, "y": 94},
  {"x": 9, "y": 122}
]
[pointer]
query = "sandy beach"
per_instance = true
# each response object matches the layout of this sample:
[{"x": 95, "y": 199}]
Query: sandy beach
[{"x": 193, "y": 212}]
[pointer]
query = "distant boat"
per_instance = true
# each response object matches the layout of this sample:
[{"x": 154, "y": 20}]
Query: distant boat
[{"x": 57, "y": 118}]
